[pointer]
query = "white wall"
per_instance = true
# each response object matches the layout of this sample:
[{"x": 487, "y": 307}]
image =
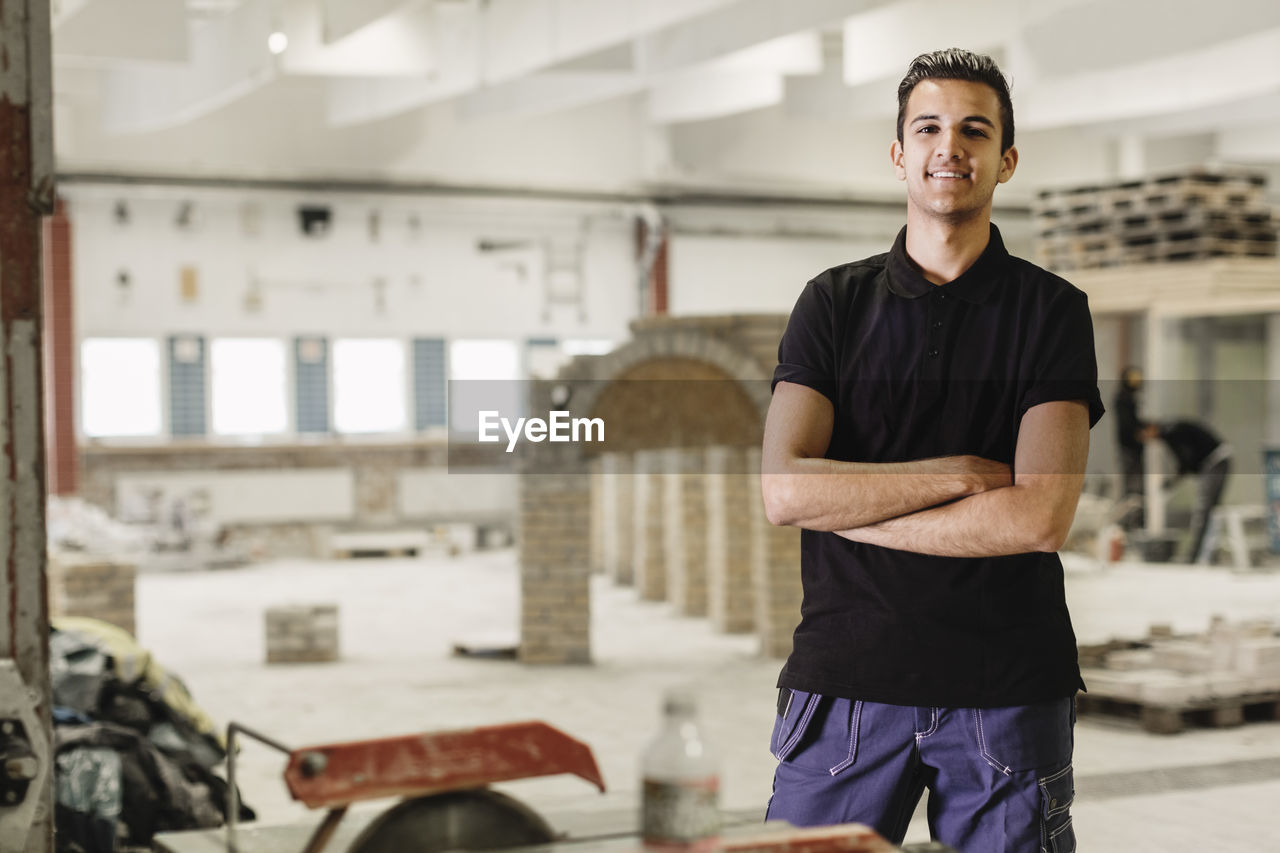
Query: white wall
[{"x": 436, "y": 282}]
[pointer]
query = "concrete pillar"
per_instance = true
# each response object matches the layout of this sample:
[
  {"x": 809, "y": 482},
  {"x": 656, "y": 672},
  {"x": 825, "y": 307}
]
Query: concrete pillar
[
  {"x": 729, "y": 492},
  {"x": 1271, "y": 432},
  {"x": 555, "y": 576},
  {"x": 648, "y": 562},
  {"x": 775, "y": 575},
  {"x": 26, "y": 192},
  {"x": 618, "y": 516},
  {"x": 685, "y": 540}
]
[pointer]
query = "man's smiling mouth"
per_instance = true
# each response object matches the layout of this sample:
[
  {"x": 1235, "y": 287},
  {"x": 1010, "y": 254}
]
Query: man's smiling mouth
[{"x": 948, "y": 174}]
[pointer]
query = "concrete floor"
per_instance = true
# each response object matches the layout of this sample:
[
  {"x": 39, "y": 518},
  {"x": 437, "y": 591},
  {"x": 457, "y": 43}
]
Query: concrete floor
[{"x": 1203, "y": 790}]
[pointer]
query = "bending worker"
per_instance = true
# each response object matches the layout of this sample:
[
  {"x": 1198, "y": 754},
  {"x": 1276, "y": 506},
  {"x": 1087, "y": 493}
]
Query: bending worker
[
  {"x": 928, "y": 432},
  {"x": 1199, "y": 451}
]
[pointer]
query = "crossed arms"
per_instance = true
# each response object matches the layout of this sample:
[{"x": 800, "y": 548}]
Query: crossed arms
[{"x": 952, "y": 506}]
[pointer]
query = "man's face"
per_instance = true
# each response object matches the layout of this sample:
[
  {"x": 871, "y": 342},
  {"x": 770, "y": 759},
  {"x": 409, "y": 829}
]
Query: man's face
[{"x": 950, "y": 153}]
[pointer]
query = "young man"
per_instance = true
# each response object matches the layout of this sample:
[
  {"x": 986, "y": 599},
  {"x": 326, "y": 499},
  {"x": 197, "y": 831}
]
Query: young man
[{"x": 929, "y": 431}]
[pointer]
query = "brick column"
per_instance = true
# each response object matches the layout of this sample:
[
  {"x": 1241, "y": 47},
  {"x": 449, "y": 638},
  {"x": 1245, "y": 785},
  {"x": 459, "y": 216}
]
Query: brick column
[
  {"x": 729, "y": 493},
  {"x": 619, "y": 516},
  {"x": 595, "y": 470},
  {"x": 685, "y": 510},
  {"x": 647, "y": 563},
  {"x": 776, "y": 576},
  {"x": 555, "y": 576}
]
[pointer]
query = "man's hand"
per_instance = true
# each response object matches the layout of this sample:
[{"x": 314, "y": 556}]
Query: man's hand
[{"x": 987, "y": 474}]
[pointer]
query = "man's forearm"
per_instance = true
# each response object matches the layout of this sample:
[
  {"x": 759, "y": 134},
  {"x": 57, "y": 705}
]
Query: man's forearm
[
  {"x": 1016, "y": 520},
  {"x": 823, "y": 494}
]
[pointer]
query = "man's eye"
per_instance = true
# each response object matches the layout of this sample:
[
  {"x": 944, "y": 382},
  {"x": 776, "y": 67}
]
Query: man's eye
[
  {"x": 975, "y": 131},
  {"x": 928, "y": 128}
]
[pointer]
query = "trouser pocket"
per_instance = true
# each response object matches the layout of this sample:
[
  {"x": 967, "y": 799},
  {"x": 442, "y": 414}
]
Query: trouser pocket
[
  {"x": 816, "y": 732},
  {"x": 1025, "y": 737},
  {"x": 1057, "y": 792}
]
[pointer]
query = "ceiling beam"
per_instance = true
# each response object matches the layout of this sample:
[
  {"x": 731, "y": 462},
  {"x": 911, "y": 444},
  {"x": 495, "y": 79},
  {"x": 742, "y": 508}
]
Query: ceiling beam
[
  {"x": 1228, "y": 71},
  {"x": 341, "y": 18},
  {"x": 229, "y": 59},
  {"x": 95, "y": 32},
  {"x": 399, "y": 42}
]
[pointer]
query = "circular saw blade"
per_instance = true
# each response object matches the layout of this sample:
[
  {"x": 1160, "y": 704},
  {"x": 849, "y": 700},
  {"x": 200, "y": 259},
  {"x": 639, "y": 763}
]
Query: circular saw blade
[{"x": 456, "y": 820}]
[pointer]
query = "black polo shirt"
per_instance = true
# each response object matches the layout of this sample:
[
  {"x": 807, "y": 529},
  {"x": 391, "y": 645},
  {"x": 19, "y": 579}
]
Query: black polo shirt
[{"x": 915, "y": 370}]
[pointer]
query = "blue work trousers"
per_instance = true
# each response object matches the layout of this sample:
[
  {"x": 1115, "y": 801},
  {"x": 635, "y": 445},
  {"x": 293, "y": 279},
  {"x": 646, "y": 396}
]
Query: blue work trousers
[{"x": 999, "y": 779}]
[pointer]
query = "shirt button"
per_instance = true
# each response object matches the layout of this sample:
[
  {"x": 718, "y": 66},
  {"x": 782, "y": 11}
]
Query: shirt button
[
  {"x": 942, "y": 297},
  {"x": 933, "y": 353},
  {"x": 937, "y": 324}
]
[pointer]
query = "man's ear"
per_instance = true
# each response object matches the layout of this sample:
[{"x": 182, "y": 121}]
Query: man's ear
[
  {"x": 1008, "y": 162},
  {"x": 895, "y": 157}
]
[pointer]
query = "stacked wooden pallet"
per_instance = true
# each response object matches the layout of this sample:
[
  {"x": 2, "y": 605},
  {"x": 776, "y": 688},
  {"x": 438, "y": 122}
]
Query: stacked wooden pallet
[
  {"x": 1223, "y": 677},
  {"x": 1184, "y": 216}
]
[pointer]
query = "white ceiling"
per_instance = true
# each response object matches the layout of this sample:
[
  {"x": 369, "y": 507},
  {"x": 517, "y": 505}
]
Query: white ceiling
[{"x": 629, "y": 94}]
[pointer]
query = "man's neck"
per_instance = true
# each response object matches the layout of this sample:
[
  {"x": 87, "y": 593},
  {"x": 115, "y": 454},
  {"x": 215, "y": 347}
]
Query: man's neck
[{"x": 944, "y": 250}]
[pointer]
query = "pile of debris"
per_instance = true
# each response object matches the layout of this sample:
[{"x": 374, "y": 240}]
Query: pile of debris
[
  {"x": 135, "y": 755},
  {"x": 1220, "y": 677}
]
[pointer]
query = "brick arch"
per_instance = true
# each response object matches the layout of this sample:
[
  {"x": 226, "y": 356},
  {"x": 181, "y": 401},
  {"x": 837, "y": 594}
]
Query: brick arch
[
  {"x": 699, "y": 351},
  {"x": 672, "y": 401}
]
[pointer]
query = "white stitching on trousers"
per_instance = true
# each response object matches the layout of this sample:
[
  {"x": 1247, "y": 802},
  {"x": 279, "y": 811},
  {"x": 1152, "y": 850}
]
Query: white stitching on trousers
[{"x": 982, "y": 746}]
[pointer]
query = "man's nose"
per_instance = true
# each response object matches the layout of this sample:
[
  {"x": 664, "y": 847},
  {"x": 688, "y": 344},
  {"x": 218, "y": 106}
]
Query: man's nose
[{"x": 950, "y": 145}]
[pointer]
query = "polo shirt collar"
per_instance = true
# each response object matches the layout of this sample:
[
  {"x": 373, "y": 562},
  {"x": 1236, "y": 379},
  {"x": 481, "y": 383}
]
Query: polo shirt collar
[{"x": 974, "y": 285}]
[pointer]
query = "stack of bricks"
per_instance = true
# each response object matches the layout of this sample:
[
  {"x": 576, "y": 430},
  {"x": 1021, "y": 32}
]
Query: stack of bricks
[
  {"x": 617, "y": 516},
  {"x": 648, "y": 563},
  {"x": 94, "y": 587},
  {"x": 1185, "y": 216},
  {"x": 555, "y": 576},
  {"x": 775, "y": 575},
  {"x": 729, "y": 492},
  {"x": 302, "y": 633},
  {"x": 685, "y": 533}
]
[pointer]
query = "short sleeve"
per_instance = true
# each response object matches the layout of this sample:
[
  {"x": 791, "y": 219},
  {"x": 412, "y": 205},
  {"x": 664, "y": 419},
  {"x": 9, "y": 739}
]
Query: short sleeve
[
  {"x": 806, "y": 354},
  {"x": 1064, "y": 365}
]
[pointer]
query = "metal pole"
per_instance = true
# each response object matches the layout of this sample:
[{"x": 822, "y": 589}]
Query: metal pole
[{"x": 26, "y": 193}]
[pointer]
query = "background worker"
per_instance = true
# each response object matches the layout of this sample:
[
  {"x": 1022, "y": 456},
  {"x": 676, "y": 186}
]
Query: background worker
[{"x": 1196, "y": 450}]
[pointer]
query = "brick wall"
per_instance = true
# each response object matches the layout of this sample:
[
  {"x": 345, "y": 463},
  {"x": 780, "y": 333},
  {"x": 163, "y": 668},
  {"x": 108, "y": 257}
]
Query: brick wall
[
  {"x": 618, "y": 516},
  {"x": 554, "y": 548},
  {"x": 596, "y": 468},
  {"x": 682, "y": 385},
  {"x": 775, "y": 575},
  {"x": 649, "y": 543},
  {"x": 93, "y": 587},
  {"x": 685, "y": 530},
  {"x": 729, "y": 539}
]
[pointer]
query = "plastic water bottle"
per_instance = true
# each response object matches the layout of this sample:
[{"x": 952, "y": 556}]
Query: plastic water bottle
[{"x": 681, "y": 796}]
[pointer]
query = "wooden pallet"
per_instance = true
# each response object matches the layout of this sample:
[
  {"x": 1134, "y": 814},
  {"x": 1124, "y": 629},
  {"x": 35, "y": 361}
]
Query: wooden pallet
[{"x": 1171, "y": 719}]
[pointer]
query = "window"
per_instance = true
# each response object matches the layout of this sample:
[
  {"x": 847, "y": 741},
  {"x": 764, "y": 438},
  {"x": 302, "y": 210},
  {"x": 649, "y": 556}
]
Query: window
[
  {"x": 120, "y": 387},
  {"x": 249, "y": 386},
  {"x": 186, "y": 386},
  {"x": 311, "y": 384},
  {"x": 429, "y": 385},
  {"x": 484, "y": 376},
  {"x": 369, "y": 386}
]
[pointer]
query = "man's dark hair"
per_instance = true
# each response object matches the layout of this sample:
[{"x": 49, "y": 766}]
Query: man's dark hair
[{"x": 957, "y": 64}]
